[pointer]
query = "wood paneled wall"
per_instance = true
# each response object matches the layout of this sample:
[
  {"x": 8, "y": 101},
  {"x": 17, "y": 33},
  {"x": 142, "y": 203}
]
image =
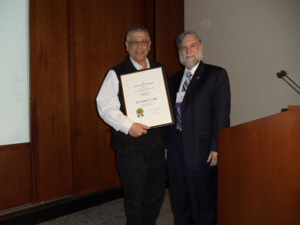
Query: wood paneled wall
[
  {"x": 97, "y": 42},
  {"x": 51, "y": 135},
  {"x": 169, "y": 24},
  {"x": 15, "y": 176},
  {"x": 73, "y": 43}
]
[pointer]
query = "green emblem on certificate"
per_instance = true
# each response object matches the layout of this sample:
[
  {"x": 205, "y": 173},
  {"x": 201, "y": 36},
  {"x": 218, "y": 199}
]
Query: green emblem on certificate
[{"x": 140, "y": 112}]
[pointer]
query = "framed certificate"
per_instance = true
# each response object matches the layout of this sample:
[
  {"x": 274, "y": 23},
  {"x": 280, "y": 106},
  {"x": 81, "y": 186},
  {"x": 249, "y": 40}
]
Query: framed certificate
[{"x": 146, "y": 97}]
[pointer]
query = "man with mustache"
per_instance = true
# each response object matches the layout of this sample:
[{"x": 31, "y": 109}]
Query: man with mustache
[
  {"x": 140, "y": 151},
  {"x": 200, "y": 95}
]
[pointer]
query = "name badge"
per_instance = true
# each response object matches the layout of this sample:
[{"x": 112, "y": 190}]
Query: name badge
[{"x": 179, "y": 99}]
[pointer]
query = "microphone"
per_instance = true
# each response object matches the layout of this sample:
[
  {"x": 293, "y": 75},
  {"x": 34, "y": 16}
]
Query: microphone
[{"x": 284, "y": 74}]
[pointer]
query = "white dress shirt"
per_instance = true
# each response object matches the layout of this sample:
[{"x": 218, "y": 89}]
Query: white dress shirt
[
  {"x": 108, "y": 104},
  {"x": 183, "y": 77}
]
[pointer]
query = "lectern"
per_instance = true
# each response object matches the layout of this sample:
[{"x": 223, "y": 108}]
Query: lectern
[{"x": 259, "y": 171}]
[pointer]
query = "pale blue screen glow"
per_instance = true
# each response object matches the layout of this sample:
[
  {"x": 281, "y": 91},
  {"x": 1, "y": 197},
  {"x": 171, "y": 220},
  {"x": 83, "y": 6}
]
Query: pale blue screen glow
[{"x": 14, "y": 72}]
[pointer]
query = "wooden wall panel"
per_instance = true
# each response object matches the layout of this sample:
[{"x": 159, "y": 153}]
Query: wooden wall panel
[
  {"x": 149, "y": 19},
  {"x": 73, "y": 44},
  {"x": 50, "y": 100},
  {"x": 169, "y": 23},
  {"x": 97, "y": 32},
  {"x": 15, "y": 176}
]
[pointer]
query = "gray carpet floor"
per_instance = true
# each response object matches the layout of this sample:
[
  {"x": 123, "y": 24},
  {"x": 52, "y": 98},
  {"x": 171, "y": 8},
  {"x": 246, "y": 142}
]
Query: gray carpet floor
[{"x": 110, "y": 213}]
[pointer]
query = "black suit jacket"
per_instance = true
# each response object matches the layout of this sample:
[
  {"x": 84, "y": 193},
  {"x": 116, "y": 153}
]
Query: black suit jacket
[{"x": 205, "y": 110}]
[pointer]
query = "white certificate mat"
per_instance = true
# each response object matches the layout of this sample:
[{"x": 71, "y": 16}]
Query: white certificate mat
[{"x": 147, "y": 98}]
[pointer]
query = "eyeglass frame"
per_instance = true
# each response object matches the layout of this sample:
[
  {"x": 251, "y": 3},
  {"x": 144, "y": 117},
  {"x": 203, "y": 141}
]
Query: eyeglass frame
[{"x": 137, "y": 43}]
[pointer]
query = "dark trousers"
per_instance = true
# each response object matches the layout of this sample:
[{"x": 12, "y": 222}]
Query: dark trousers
[
  {"x": 193, "y": 192},
  {"x": 143, "y": 179}
]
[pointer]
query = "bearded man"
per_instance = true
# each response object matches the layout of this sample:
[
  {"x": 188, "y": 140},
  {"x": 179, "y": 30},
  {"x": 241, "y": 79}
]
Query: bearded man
[{"x": 200, "y": 95}]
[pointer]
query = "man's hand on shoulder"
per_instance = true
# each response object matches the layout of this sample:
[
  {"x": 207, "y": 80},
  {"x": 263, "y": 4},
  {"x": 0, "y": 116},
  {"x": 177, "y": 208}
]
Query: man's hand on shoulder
[
  {"x": 213, "y": 158},
  {"x": 138, "y": 129}
]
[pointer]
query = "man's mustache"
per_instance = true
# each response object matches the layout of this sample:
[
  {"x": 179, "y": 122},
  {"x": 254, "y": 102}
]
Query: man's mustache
[{"x": 188, "y": 55}]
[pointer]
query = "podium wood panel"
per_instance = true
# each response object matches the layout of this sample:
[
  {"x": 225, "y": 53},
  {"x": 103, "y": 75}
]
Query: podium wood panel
[{"x": 259, "y": 171}]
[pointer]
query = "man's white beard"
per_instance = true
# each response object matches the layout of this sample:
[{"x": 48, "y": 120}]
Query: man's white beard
[{"x": 191, "y": 64}]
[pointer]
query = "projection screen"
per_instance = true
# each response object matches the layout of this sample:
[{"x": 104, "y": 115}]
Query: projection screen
[{"x": 14, "y": 72}]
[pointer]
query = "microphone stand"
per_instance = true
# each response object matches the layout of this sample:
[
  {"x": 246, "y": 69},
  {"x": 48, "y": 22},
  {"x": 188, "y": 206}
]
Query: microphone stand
[{"x": 284, "y": 74}]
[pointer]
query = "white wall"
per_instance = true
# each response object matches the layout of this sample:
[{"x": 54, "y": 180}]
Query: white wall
[{"x": 253, "y": 40}]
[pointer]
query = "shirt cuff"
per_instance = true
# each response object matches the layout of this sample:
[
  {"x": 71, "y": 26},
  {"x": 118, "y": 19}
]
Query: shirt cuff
[{"x": 128, "y": 123}]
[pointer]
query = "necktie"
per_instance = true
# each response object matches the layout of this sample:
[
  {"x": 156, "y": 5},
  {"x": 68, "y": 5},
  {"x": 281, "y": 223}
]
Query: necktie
[{"x": 188, "y": 77}]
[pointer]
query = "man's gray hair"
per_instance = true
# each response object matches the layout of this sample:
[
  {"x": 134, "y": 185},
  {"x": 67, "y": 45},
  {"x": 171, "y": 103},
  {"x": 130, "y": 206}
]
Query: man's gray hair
[
  {"x": 137, "y": 28},
  {"x": 180, "y": 37}
]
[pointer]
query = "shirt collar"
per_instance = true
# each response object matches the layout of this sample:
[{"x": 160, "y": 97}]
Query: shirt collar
[
  {"x": 193, "y": 70},
  {"x": 138, "y": 66}
]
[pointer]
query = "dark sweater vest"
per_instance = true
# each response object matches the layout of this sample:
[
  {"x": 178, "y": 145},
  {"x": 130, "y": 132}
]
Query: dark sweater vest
[{"x": 155, "y": 138}]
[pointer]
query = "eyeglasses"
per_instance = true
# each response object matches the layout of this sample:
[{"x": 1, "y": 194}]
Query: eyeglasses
[{"x": 137, "y": 43}]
